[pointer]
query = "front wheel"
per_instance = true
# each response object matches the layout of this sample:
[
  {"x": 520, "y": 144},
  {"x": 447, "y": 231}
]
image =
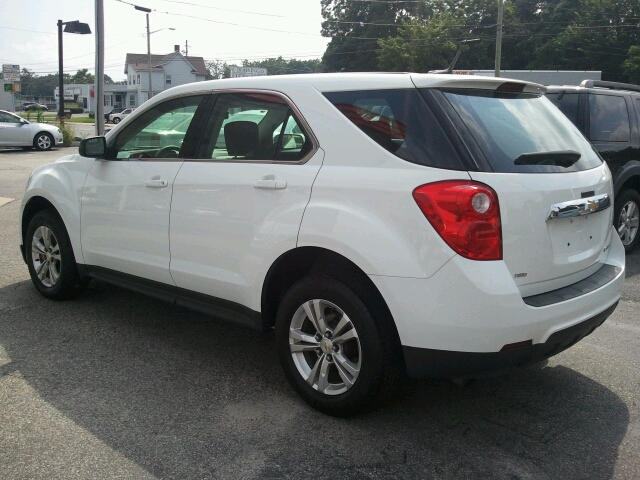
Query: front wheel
[
  {"x": 116, "y": 120},
  {"x": 43, "y": 141},
  {"x": 50, "y": 258},
  {"x": 336, "y": 353},
  {"x": 627, "y": 218}
]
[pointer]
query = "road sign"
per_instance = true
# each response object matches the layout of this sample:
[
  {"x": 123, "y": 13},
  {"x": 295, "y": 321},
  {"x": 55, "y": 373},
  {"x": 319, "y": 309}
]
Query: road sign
[
  {"x": 17, "y": 87},
  {"x": 11, "y": 73},
  {"x": 8, "y": 68},
  {"x": 246, "y": 71}
]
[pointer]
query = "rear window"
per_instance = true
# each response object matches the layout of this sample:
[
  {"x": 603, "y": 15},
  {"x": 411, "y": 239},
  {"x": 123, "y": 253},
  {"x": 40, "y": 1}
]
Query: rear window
[
  {"x": 400, "y": 122},
  {"x": 522, "y": 133}
]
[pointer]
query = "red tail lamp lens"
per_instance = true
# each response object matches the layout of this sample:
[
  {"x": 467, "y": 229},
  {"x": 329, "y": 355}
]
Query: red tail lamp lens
[{"x": 466, "y": 215}]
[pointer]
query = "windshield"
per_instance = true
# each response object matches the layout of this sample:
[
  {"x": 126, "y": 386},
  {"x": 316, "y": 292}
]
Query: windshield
[{"x": 510, "y": 127}]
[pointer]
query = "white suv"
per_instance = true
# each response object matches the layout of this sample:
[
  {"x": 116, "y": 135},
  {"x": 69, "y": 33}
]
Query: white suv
[{"x": 435, "y": 225}]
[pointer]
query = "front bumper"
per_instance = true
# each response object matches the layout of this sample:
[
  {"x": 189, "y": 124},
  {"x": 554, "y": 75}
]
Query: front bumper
[{"x": 428, "y": 363}]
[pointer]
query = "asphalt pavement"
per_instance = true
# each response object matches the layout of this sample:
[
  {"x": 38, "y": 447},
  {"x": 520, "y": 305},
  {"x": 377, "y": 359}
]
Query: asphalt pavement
[{"x": 119, "y": 385}]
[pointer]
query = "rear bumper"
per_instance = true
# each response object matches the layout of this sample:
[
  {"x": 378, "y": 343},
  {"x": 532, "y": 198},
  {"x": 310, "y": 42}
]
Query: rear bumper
[
  {"x": 468, "y": 311},
  {"x": 428, "y": 363}
]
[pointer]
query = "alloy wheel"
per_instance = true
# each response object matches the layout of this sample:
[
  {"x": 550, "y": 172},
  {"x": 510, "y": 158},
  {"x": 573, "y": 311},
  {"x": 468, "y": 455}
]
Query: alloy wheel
[
  {"x": 45, "y": 255},
  {"x": 44, "y": 142},
  {"x": 628, "y": 222},
  {"x": 325, "y": 347}
]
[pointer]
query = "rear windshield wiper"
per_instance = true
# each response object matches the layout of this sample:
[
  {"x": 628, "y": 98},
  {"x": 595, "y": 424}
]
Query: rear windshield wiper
[{"x": 565, "y": 158}]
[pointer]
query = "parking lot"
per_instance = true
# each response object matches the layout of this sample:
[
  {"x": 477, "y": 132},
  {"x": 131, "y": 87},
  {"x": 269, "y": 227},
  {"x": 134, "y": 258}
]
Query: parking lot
[{"x": 119, "y": 385}]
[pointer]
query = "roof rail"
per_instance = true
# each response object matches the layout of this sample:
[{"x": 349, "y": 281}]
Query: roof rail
[{"x": 610, "y": 85}]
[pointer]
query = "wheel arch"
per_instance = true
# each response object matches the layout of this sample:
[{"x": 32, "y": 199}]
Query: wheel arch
[
  {"x": 300, "y": 262},
  {"x": 32, "y": 207},
  {"x": 629, "y": 177}
]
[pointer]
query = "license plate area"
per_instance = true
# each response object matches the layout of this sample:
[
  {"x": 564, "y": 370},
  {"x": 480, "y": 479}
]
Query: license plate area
[{"x": 578, "y": 239}]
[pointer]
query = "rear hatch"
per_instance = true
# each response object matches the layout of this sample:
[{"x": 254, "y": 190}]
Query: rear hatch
[{"x": 554, "y": 191}]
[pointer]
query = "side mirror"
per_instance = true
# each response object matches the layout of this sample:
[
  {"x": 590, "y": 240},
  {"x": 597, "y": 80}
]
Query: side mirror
[
  {"x": 23, "y": 122},
  {"x": 93, "y": 147}
]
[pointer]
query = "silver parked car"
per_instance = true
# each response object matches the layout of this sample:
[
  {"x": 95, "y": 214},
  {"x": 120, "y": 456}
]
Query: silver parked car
[{"x": 15, "y": 131}]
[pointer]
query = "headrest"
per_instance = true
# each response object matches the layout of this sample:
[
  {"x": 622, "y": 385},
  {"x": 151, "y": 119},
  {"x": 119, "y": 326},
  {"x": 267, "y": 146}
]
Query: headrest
[{"x": 241, "y": 138}]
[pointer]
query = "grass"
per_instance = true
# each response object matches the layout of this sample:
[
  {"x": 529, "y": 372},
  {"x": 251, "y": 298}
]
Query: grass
[{"x": 51, "y": 118}]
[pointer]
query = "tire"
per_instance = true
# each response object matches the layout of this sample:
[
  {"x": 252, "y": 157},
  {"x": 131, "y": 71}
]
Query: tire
[
  {"x": 50, "y": 257},
  {"x": 116, "y": 120},
  {"x": 358, "y": 356},
  {"x": 626, "y": 218},
  {"x": 43, "y": 141}
]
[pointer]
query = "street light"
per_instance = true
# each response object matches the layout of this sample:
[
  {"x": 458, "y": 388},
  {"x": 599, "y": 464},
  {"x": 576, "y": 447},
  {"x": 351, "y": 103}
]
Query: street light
[
  {"x": 147, "y": 11},
  {"x": 70, "y": 27}
]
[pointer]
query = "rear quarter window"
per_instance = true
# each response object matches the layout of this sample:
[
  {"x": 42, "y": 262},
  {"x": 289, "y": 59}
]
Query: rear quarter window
[
  {"x": 609, "y": 119},
  {"x": 400, "y": 122}
]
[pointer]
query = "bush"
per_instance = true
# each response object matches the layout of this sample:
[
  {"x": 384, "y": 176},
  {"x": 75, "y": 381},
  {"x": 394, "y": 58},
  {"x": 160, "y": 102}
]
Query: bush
[
  {"x": 92, "y": 115},
  {"x": 68, "y": 135}
]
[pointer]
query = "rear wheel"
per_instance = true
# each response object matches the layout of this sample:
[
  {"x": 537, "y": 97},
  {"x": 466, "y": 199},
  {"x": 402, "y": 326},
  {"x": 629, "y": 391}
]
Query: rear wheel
[
  {"x": 336, "y": 353},
  {"x": 50, "y": 258},
  {"x": 627, "y": 218}
]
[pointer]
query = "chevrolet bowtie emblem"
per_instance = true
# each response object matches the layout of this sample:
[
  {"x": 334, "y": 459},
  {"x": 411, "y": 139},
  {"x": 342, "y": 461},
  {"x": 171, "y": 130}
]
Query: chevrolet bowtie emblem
[{"x": 593, "y": 205}]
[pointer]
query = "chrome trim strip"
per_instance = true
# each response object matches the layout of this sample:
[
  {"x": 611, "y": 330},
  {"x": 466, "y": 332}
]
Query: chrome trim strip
[{"x": 577, "y": 208}]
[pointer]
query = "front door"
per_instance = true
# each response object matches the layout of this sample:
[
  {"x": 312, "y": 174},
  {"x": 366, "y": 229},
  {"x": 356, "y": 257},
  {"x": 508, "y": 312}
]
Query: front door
[
  {"x": 12, "y": 132},
  {"x": 238, "y": 206},
  {"x": 126, "y": 199}
]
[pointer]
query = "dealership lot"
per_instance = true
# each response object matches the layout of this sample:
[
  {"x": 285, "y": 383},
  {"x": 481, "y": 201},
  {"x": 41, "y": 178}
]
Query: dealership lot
[{"x": 116, "y": 384}]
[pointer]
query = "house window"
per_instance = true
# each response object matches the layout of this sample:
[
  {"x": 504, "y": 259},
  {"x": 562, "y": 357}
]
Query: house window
[
  {"x": 129, "y": 79},
  {"x": 168, "y": 79},
  {"x": 138, "y": 79},
  {"x": 132, "y": 100},
  {"x": 118, "y": 101},
  {"x": 107, "y": 101}
]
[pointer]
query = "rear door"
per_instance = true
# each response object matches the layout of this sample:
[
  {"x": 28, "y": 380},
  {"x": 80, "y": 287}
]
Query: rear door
[
  {"x": 238, "y": 206},
  {"x": 544, "y": 172}
]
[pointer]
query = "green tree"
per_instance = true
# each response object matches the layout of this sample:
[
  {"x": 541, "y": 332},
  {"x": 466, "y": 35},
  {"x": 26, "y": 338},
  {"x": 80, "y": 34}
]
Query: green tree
[
  {"x": 281, "y": 66},
  {"x": 83, "y": 77},
  {"x": 632, "y": 65},
  {"x": 355, "y": 28},
  {"x": 217, "y": 69}
]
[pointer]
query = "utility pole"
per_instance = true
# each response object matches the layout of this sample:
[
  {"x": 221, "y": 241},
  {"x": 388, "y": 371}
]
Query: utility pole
[
  {"x": 499, "y": 37},
  {"x": 149, "y": 55},
  {"x": 99, "y": 78},
  {"x": 60, "y": 75},
  {"x": 186, "y": 48}
]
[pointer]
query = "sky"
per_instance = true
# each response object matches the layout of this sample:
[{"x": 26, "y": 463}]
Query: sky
[{"x": 229, "y": 31}]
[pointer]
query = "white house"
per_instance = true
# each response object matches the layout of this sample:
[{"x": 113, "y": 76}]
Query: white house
[{"x": 167, "y": 71}]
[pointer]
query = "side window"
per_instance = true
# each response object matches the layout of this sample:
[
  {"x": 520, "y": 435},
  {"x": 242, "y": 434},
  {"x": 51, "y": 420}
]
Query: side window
[
  {"x": 6, "y": 118},
  {"x": 567, "y": 103},
  {"x": 291, "y": 141},
  {"x": 160, "y": 131},
  {"x": 609, "y": 119},
  {"x": 254, "y": 126}
]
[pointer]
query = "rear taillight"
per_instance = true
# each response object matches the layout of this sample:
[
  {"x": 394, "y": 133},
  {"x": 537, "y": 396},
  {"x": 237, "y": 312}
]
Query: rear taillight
[{"x": 466, "y": 214}]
